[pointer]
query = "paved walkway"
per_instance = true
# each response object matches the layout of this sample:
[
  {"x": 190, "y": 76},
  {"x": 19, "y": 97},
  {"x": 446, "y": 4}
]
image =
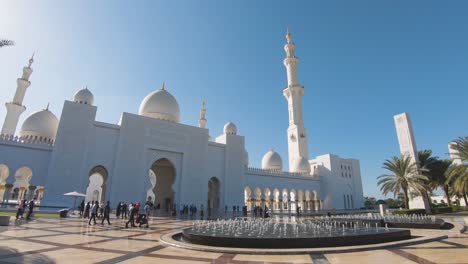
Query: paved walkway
[{"x": 73, "y": 241}]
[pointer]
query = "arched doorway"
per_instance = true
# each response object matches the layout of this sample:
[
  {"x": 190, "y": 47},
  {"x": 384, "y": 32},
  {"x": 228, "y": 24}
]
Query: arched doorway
[
  {"x": 165, "y": 174},
  {"x": 300, "y": 200},
  {"x": 96, "y": 189},
  {"x": 247, "y": 198},
  {"x": 267, "y": 194},
  {"x": 292, "y": 198},
  {"x": 214, "y": 194},
  {"x": 4, "y": 172},
  {"x": 22, "y": 177},
  {"x": 258, "y": 196},
  {"x": 316, "y": 201},
  {"x": 276, "y": 197},
  {"x": 308, "y": 200},
  {"x": 285, "y": 200}
]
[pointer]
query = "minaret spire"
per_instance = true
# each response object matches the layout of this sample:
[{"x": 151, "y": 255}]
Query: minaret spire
[
  {"x": 202, "y": 120},
  {"x": 297, "y": 135},
  {"x": 15, "y": 108}
]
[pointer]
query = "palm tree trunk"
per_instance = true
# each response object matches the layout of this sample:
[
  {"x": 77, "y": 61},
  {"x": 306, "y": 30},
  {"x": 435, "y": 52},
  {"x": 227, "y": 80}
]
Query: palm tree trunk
[
  {"x": 405, "y": 194},
  {"x": 446, "y": 191}
]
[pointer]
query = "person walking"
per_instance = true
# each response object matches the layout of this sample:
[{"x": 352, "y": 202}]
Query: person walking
[
  {"x": 30, "y": 211},
  {"x": 106, "y": 213},
  {"x": 94, "y": 211},
  {"x": 21, "y": 207},
  {"x": 131, "y": 218},
  {"x": 87, "y": 208}
]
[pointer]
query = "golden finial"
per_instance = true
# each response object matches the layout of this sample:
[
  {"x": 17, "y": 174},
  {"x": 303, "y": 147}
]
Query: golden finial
[
  {"x": 288, "y": 35},
  {"x": 31, "y": 60},
  {"x": 163, "y": 88}
]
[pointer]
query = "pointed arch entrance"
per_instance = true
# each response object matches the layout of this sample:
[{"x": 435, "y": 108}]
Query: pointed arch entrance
[
  {"x": 22, "y": 177},
  {"x": 96, "y": 189},
  {"x": 214, "y": 194},
  {"x": 4, "y": 172},
  {"x": 163, "y": 174}
]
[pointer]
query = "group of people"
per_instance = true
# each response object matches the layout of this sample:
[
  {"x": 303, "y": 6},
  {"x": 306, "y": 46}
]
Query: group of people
[
  {"x": 22, "y": 206},
  {"x": 93, "y": 210},
  {"x": 258, "y": 211},
  {"x": 190, "y": 210}
]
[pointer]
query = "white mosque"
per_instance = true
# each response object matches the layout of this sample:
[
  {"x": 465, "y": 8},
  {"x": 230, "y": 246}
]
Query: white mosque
[{"x": 151, "y": 155}]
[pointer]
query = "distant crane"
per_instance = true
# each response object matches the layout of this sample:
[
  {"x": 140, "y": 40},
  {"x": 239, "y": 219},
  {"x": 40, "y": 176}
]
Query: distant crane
[{"x": 6, "y": 42}]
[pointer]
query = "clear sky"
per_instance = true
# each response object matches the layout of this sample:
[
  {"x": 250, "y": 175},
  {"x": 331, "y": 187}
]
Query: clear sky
[{"x": 361, "y": 62}]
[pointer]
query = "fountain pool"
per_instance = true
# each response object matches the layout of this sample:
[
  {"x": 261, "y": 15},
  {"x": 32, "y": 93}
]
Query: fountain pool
[{"x": 306, "y": 233}]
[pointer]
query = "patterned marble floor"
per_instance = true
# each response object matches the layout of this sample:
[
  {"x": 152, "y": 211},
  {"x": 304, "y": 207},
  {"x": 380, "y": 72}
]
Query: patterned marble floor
[{"x": 73, "y": 241}]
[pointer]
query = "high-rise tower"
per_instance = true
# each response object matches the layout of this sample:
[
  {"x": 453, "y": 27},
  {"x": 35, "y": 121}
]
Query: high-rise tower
[
  {"x": 297, "y": 136},
  {"x": 15, "y": 108}
]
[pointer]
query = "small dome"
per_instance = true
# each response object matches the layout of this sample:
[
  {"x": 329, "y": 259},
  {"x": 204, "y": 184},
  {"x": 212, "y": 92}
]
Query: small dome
[
  {"x": 160, "y": 104},
  {"x": 230, "y": 128},
  {"x": 272, "y": 161},
  {"x": 41, "y": 125},
  {"x": 84, "y": 96},
  {"x": 301, "y": 165}
]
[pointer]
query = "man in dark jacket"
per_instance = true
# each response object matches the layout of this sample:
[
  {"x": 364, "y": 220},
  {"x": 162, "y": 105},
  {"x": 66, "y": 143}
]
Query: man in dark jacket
[
  {"x": 82, "y": 207},
  {"x": 124, "y": 210},
  {"x": 106, "y": 213},
  {"x": 118, "y": 209}
]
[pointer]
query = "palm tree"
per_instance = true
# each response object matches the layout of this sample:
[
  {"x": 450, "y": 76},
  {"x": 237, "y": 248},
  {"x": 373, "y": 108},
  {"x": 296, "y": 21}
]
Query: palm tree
[
  {"x": 457, "y": 175},
  {"x": 425, "y": 161},
  {"x": 438, "y": 172},
  {"x": 404, "y": 177}
]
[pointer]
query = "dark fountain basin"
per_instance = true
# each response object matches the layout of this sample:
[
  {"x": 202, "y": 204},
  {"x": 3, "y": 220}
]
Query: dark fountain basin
[{"x": 304, "y": 239}]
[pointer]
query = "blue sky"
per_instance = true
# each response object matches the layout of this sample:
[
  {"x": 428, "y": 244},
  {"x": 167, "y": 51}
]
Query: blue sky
[{"x": 361, "y": 62}]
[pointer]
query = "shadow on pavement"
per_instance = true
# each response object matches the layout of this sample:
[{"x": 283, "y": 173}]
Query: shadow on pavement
[{"x": 5, "y": 252}]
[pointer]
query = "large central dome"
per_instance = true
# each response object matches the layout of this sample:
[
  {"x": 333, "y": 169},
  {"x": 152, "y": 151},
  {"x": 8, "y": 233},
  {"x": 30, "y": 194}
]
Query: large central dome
[{"x": 160, "y": 104}]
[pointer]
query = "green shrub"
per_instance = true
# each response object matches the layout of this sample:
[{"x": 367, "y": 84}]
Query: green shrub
[
  {"x": 409, "y": 211},
  {"x": 445, "y": 209}
]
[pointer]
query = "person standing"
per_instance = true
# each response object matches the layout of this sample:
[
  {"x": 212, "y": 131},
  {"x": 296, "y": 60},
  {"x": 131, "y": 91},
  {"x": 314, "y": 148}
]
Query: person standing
[
  {"x": 87, "y": 208},
  {"x": 131, "y": 218},
  {"x": 119, "y": 207},
  {"x": 124, "y": 210},
  {"x": 94, "y": 211},
  {"x": 106, "y": 213},
  {"x": 147, "y": 210},
  {"x": 82, "y": 206},
  {"x": 31, "y": 208}
]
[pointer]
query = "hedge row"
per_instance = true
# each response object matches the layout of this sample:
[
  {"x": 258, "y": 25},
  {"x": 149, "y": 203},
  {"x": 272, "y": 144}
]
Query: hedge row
[
  {"x": 436, "y": 210},
  {"x": 409, "y": 211}
]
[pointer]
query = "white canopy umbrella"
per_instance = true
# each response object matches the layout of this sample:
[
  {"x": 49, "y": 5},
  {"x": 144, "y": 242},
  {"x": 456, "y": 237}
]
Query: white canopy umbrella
[{"x": 76, "y": 195}]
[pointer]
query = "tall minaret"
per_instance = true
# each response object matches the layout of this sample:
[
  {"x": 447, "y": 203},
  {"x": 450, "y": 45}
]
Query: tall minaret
[
  {"x": 16, "y": 107},
  {"x": 297, "y": 135},
  {"x": 202, "y": 120}
]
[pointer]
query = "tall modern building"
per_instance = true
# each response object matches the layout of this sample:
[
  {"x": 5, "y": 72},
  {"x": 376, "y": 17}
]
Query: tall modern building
[{"x": 407, "y": 143}]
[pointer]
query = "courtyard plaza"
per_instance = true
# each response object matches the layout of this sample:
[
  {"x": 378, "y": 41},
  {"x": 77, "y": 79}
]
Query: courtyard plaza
[{"x": 72, "y": 240}]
